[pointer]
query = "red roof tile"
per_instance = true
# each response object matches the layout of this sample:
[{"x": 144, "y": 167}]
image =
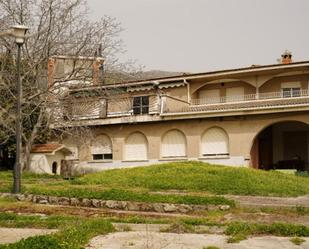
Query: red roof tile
[{"x": 45, "y": 148}]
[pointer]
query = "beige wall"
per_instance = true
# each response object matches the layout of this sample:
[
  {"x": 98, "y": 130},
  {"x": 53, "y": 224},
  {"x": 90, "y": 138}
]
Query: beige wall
[
  {"x": 241, "y": 132},
  {"x": 248, "y": 89},
  {"x": 267, "y": 82},
  {"x": 176, "y": 99},
  {"x": 274, "y": 85}
]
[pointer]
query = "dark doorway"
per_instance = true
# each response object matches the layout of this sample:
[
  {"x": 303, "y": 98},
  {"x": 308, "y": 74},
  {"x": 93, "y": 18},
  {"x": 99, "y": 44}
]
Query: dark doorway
[
  {"x": 281, "y": 146},
  {"x": 54, "y": 168},
  {"x": 265, "y": 143}
]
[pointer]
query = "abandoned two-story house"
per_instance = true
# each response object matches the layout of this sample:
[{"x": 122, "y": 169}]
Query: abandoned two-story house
[{"x": 256, "y": 116}]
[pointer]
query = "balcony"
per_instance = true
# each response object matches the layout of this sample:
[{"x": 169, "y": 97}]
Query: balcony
[
  {"x": 100, "y": 108},
  {"x": 244, "y": 102},
  {"x": 100, "y": 111}
]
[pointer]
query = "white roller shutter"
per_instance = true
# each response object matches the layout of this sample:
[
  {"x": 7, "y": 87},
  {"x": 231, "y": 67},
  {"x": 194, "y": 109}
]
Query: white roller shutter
[
  {"x": 101, "y": 145},
  {"x": 215, "y": 142},
  {"x": 174, "y": 144},
  {"x": 235, "y": 94},
  {"x": 209, "y": 96},
  {"x": 136, "y": 147}
]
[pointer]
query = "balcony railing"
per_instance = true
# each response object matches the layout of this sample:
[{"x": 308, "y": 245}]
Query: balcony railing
[
  {"x": 249, "y": 101},
  {"x": 99, "y": 108},
  {"x": 250, "y": 97}
]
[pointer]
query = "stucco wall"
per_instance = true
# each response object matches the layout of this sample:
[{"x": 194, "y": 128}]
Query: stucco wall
[
  {"x": 248, "y": 89},
  {"x": 274, "y": 85},
  {"x": 42, "y": 163},
  {"x": 241, "y": 132}
]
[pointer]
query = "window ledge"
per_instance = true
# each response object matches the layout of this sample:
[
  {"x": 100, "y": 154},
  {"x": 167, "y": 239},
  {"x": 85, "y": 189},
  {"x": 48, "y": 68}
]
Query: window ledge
[
  {"x": 127, "y": 161},
  {"x": 100, "y": 161},
  {"x": 174, "y": 159},
  {"x": 213, "y": 157}
]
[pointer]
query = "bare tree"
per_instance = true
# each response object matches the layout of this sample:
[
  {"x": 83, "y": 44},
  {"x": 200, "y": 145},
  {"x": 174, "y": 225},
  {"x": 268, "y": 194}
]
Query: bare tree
[{"x": 57, "y": 27}]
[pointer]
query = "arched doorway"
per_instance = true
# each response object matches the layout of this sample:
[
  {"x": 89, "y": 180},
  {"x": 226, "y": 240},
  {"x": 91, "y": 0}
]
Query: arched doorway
[
  {"x": 282, "y": 145},
  {"x": 54, "y": 168}
]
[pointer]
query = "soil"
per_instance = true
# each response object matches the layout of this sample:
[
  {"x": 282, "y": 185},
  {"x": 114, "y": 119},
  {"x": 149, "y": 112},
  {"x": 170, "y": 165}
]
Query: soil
[{"x": 155, "y": 240}]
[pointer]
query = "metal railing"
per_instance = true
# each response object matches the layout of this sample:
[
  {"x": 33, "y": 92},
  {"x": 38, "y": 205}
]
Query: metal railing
[{"x": 250, "y": 97}]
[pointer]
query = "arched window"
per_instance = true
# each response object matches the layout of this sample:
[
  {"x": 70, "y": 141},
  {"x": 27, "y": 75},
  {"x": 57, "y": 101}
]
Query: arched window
[
  {"x": 215, "y": 142},
  {"x": 101, "y": 148},
  {"x": 136, "y": 147},
  {"x": 174, "y": 144}
]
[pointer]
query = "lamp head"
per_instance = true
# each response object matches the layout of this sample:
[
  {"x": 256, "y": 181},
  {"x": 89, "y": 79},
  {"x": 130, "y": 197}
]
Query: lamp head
[{"x": 19, "y": 32}]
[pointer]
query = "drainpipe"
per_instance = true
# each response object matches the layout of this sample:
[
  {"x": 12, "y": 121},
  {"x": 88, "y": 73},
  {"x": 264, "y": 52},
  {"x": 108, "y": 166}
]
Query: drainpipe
[
  {"x": 161, "y": 104},
  {"x": 257, "y": 88},
  {"x": 159, "y": 96},
  {"x": 188, "y": 90}
]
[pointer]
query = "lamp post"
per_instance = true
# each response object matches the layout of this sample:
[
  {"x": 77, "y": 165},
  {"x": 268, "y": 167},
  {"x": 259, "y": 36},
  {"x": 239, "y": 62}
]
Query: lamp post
[{"x": 19, "y": 32}]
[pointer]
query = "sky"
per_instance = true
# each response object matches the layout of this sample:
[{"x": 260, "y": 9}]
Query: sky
[{"x": 205, "y": 35}]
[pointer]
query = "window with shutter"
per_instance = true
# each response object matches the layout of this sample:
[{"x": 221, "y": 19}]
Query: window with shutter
[
  {"x": 174, "y": 144},
  {"x": 141, "y": 105},
  {"x": 215, "y": 142},
  {"x": 101, "y": 148},
  {"x": 136, "y": 147}
]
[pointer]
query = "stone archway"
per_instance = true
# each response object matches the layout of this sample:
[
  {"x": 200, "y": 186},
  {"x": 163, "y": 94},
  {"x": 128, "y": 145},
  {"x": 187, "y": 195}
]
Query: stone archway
[{"x": 282, "y": 145}]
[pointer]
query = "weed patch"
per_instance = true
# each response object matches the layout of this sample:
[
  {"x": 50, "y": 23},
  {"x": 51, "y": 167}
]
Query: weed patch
[
  {"x": 178, "y": 227},
  {"x": 74, "y": 236},
  {"x": 297, "y": 241},
  {"x": 277, "y": 229}
]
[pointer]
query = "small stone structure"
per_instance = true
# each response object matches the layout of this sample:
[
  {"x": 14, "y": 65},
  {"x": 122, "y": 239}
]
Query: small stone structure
[
  {"x": 47, "y": 158},
  {"x": 118, "y": 205}
]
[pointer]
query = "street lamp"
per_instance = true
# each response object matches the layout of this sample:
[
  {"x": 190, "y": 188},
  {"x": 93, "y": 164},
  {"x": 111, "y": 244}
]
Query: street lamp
[{"x": 19, "y": 33}]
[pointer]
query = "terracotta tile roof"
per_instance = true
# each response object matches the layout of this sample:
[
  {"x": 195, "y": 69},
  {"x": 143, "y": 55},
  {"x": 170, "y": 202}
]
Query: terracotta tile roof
[
  {"x": 247, "y": 105},
  {"x": 45, "y": 148}
]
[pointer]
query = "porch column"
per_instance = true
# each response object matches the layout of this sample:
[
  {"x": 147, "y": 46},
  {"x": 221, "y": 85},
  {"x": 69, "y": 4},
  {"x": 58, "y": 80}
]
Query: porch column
[{"x": 257, "y": 92}]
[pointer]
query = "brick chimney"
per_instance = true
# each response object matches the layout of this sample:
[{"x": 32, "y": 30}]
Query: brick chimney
[{"x": 286, "y": 57}]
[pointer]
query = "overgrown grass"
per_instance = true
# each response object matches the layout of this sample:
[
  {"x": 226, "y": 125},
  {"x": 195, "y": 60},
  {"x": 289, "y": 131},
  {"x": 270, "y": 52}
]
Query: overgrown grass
[
  {"x": 32, "y": 221},
  {"x": 198, "y": 177},
  {"x": 74, "y": 236},
  {"x": 240, "y": 230},
  {"x": 297, "y": 241},
  {"x": 201, "y": 177}
]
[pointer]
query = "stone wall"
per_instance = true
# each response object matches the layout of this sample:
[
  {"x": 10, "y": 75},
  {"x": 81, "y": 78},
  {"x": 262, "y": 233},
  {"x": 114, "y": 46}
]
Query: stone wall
[{"x": 118, "y": 205}]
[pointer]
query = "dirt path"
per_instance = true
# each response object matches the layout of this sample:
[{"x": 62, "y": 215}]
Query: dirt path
[
  {"x": 155, "y": 240},
  {"x": 11, "y": 235},
  {"x": 262, "y": 201},
  {"x": 255, "y": 201}
]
